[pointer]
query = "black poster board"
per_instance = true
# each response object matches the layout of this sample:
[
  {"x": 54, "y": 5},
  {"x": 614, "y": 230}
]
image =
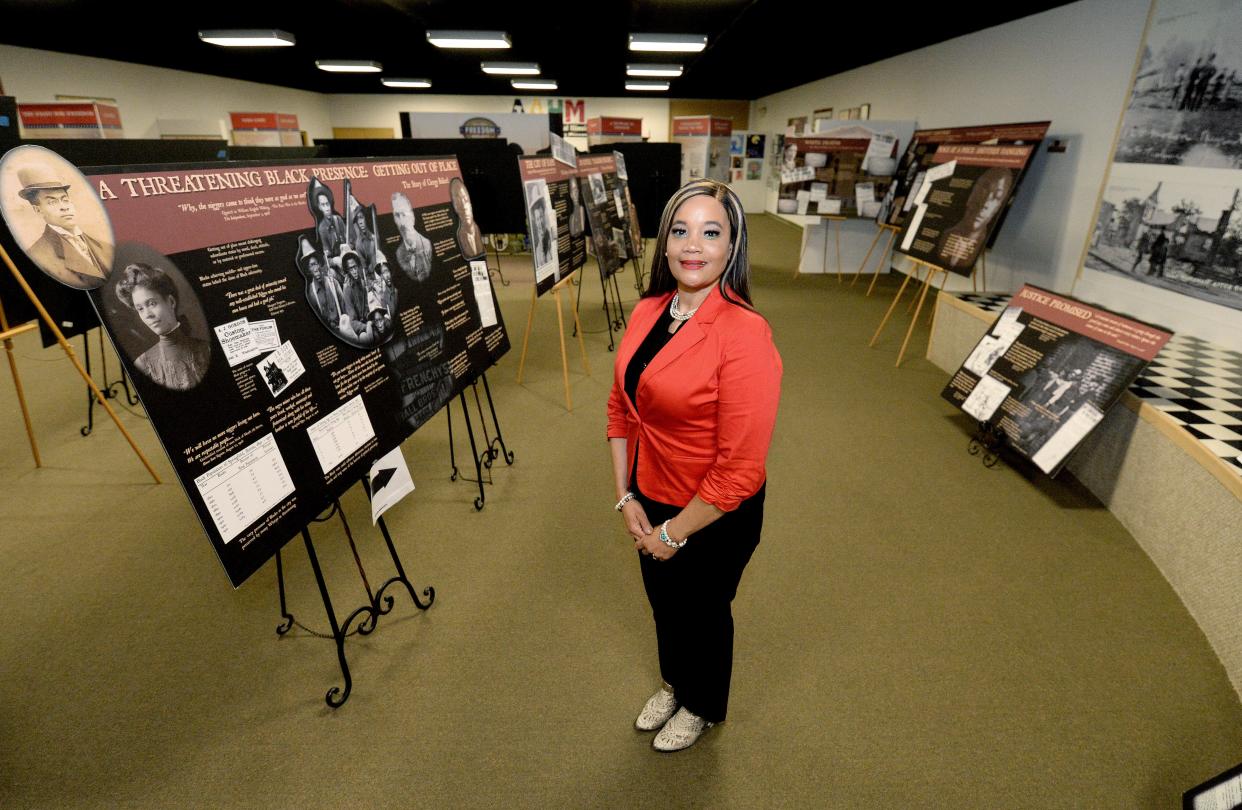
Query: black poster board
[
  {"x": 1049, "y": 370},
  {"x": 556, "y": 218},
  {"x": 917, "y": 159},
  {"x": 279, "y": 349},
  {"x": 1223, "y": 792},
  {"x": 633, "y": 235},
  {"x": 604, "y": 194},
  {"x": 958, "y": 207},
  {"x": 653, "y": 176}
]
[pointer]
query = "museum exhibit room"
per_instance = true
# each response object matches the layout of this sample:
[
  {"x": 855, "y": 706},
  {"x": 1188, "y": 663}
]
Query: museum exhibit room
[{"x": 669, "y": 403}]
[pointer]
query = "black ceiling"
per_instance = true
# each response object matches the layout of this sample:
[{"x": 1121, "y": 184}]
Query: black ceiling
[{"x": 755, "y": 47}]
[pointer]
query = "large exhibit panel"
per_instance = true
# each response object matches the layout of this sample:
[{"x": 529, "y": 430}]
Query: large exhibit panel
[
  {"x": 1167, "y": 233},
  {"x": 845, "y": 170},
  {"x": 556, "y": 219},
  {"x": 604, "y": 194},
  {"x": 705, "y": 141},
  {"x": 288, "y": 324},
  {"x": 653, "y": 177}
]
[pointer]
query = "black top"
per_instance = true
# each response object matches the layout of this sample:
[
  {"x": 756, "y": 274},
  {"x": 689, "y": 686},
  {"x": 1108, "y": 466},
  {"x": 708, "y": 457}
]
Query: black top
[{"x": 656, "y": 339}]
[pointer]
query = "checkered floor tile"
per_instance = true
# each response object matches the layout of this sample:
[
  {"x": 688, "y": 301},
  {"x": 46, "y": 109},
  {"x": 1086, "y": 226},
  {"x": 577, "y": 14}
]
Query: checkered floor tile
[{"x": 1198, "y": 384}]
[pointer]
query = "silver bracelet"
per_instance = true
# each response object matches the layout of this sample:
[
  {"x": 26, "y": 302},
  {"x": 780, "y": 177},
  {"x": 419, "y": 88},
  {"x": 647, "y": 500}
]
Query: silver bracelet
[
  {"x": 668, "y": 541},
  {"x": 626, "y": 498}
]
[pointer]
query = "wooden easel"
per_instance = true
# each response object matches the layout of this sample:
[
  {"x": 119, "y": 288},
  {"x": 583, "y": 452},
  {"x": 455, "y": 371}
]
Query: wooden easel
[
  {"x": 892, "y": 231},
  {"x": 7, "y": 335},
  {"x": 829, "y": 219},
  {"x": 932, "y": 270},
  {"x": 560, "y": 323},
  {"x": 68, "y": 349}
]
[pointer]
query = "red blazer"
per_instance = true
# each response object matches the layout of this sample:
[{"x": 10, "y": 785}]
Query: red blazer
[{"x": 709, "y": 402}]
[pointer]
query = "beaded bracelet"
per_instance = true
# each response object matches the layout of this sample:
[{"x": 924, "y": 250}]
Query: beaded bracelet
[
  {"x": 626, "y": 498},
  {"x": 668, "y": 541}
]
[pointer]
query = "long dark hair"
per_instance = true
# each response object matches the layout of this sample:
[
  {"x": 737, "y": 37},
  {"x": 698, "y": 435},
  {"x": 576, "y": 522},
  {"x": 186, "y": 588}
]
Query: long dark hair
[{"x": 735, "y": 280}]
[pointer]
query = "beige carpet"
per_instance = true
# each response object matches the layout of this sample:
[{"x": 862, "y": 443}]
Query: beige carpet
[{"x": 914, "y": 631}]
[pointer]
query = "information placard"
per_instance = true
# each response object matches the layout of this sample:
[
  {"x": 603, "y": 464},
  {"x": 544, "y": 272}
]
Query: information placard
[
  {"x": 288, "y": 324},
  {"x": 555, "y": 217},
  {"x": 604, "y": 194}
]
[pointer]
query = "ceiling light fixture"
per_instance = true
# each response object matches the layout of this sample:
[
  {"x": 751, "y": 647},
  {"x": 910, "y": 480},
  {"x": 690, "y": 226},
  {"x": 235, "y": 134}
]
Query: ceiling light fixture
[
  {"x": 348, "y": 66},
  {"x": 406, "y": 82},
  {"x": 511, "y": 68},
  {"x": 674, "y": 43},
  {"x": 267, "y": 38},
  {"x": 653, "y": 86},
  {"x": 537, "y": 84},
  {"x": 653, "y": 70},
  {"x": 469, "y": 39}
]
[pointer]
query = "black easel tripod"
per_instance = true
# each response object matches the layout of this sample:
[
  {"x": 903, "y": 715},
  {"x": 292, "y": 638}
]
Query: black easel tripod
[
  {"x": 378, "y": 605},
  {"x": 109, "y": 389},
  {"x": 493, "y": 448}
]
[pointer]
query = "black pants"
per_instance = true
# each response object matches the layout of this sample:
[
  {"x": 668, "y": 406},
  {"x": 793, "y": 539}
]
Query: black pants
[{"x": 690, "y": 596}]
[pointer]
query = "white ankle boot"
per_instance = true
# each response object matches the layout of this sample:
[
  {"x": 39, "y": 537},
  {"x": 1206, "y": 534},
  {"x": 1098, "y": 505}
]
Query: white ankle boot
[
  {"x": 657, "y": 711},
  {"x": 681, "y": 731}
]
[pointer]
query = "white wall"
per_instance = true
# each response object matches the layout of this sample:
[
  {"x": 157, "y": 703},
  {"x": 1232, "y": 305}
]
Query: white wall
[
  {"x": 1071, "y": 65},
  {"x": 362, "y": 110},
  {"x": 145, "y": 94}
]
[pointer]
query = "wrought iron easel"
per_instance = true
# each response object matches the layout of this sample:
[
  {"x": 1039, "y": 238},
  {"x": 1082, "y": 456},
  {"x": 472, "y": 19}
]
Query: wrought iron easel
[
  {"x": 987, "y": 440},
  {"x": 493, "y": 448},
  {"x": 378, "y": 604},
  {"x": 110, "y": 390}
]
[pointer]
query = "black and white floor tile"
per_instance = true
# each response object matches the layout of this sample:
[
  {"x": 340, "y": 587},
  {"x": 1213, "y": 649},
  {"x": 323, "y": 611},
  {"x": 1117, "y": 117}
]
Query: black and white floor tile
[{"x": 1196, "y": 383}]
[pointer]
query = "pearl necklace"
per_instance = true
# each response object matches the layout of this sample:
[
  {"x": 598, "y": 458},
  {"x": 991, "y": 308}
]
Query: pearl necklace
[{"x": 677, "y": 314}]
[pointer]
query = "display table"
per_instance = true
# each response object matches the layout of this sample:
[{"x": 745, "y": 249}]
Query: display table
[{"x": 1165, "y": 463}]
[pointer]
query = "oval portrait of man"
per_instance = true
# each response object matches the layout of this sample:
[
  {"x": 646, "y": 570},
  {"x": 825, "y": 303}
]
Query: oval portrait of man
[
  {"x": 157, "y": 319},
  {"x": 56, "y": 217}
]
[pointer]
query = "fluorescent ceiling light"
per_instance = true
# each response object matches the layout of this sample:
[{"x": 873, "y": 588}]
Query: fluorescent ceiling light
[
  {"x": 511, "y": 68},
  {"x": 247, "y": 38},
  {"x": 678, "y": 43},
  {"x": 406, "y": 82},
  {"x": 655, "y": 86},
  {"x": 348, "y": 66},
  {"x": 469, "y": 39},
  {"x": 536, "y": 84},
  {"x": 653, "y": 70}
]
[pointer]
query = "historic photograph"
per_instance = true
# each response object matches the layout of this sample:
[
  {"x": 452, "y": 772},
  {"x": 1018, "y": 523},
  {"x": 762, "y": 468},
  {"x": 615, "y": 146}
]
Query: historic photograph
[
  {"x": 1184, "y": 237},
  {"x": 56, "y": 217},
  {"x": 1186, "y": 104}
]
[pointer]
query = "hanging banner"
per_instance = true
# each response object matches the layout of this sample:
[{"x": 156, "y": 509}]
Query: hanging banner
[{"x": 287, "y": 325}]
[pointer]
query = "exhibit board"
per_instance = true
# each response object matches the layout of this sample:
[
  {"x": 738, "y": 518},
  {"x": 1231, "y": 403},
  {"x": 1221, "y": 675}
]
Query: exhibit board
[
  {"x": 957, "y": 209},
  {"x": 705, "y": 142},
  {"x": 1168, "y": 215},
  {"x": 278, "y": 349},
  {"x": 604, "y": 194},
  {"x": 1048, "y": 371},
  {"x": 633, "y": 234},
  {"x": 555, "y": 218},
  {"x": 897, "y": 203},
  {"x": 843, "y": 171}
]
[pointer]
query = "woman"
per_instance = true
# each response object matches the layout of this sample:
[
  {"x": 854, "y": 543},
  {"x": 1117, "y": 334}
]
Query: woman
[
  {"x": 961, "y": 244},
  {"x": 690, "y": 417},
  {"x": 469, "y": 237},
  {"x": 177, "y": 360}
]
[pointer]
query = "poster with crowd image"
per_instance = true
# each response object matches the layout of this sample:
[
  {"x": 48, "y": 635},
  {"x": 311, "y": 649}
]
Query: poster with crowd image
[
  {"x": 287, "y": 324},
  {"x": 844, "y": 171},
  {"x": 1168, "y": 213},
  {"x": 897, "y": 203},
  {"x": 958, "y": 205},
  {"x": 604, "y": 194},
  {"x": 555, "y": 218},
  {"x": 1048, "y": 371},
  {"x": 633, "y": 234}
]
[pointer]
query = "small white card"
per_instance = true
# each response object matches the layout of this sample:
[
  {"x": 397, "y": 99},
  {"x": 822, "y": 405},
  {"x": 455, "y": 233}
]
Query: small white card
[
  {"x": 280, "y": 368},
  {"x": 236, "y": 340},
  {"x": 265, "y": 335},
  {"x": 390, "y": 482},
  {"x": 483, "y": 292}
]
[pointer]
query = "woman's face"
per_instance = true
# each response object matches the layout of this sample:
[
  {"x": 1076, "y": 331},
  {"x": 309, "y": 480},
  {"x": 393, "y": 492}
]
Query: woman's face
[
  {"x": 991, "y": 203},
  {"x": 360, "y": 220},
  {"x": 791, "y": 152},
  {"x": 325, "y": 205},
  {"x": 698, "y": 243},
  {"x": 158, "y": 312}
]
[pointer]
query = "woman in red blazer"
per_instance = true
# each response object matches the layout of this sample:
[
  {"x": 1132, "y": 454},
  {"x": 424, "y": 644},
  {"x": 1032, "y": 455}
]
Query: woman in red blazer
[{"x": 693, "y": 403}]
